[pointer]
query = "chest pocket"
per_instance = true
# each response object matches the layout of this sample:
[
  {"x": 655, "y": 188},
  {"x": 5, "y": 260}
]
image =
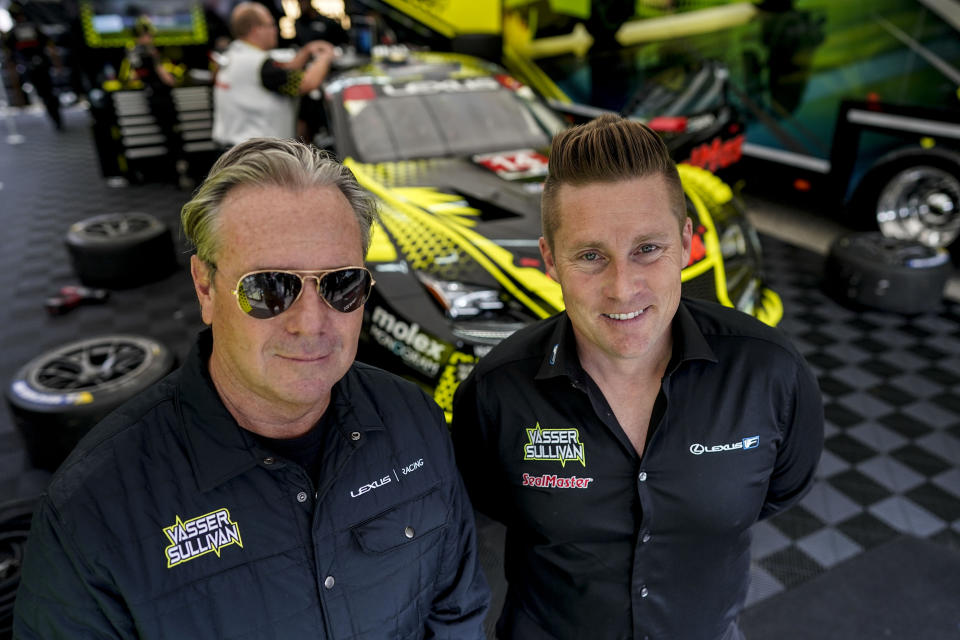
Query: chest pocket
[
  {"x": 390, "y": 576},
  {"x": 404, "y": 524}
]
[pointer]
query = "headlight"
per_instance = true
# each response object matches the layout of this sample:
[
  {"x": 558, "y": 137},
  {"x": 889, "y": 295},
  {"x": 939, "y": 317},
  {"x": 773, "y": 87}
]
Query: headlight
[
  {"x": 461, "y": 300},
  {"x": 740, "y": 248},
  {"x": 733, "y": 243},
  {"x": 738, "y": 238}
]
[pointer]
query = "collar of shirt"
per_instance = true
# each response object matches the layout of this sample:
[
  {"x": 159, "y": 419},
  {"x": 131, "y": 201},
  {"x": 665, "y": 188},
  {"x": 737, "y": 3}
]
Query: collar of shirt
[
  {"x": 220, "y": 449},
  {"x": 243, "y": 44},
  {"x": 561, "y": 357}
]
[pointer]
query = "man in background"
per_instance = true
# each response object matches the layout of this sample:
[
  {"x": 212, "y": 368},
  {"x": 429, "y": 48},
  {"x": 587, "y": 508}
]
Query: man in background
[
  {"x": 254, "y": 94},
  {"x": 34, "y": 52}
]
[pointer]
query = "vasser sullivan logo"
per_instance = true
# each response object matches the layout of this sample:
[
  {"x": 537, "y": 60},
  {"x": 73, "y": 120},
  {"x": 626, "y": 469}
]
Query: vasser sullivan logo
[
  {"x": 201, "y": 535},
  {"x": 747, "y": 443},
  {"x": 554, "y": 445}
]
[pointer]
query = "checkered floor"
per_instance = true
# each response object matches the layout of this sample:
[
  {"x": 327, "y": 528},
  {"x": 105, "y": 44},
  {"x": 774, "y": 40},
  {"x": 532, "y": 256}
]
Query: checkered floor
[
  {"x": 890, "y": 383},
  {"x": 46, "y": 184},
  {"x": 891, "y": 461}
]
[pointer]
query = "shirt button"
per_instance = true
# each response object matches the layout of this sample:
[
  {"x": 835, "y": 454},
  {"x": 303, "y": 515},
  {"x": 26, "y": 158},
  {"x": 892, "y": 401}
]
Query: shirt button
[
  {"x": 268, "y": 460},
  {"x": 646, "y": 538},
  {"x": 408, "y": 532},
  {"x": 329, "y": 582},
  {"x": 643, "y": 476},
  {"x": 355, "y": 436},
  {"x": 302, "y": 496},
  {"x": 644, "y": 592}
]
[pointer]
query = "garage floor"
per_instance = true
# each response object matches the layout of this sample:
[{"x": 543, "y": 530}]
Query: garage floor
[{"x": 891, "y": 384}]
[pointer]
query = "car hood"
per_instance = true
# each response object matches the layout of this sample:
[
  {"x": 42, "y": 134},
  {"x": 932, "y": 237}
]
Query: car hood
[{"x": 474, "y": 220}]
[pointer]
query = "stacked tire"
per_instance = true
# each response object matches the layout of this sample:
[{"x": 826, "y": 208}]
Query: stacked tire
[
  {"x": 59, "y": 395},
  {"x": 904, "y": 276},
  {"x": 121, "y": 250},
  {"x": 14, "y": 526}
]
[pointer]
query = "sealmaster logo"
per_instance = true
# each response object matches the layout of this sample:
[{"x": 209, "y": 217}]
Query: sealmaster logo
[
  {"x": 549, "y": 481},
  {"x": 201, "y": 535},
  {"x": 554, "y": 445},
  {"x": 747, "y": 443}
]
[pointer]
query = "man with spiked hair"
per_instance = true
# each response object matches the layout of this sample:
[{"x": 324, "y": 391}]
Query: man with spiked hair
[{"x": 629, "y": 443}]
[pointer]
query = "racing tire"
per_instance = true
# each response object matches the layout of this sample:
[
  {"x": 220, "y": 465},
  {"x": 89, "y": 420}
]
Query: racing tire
[
  {"x": 871, "y": 270},
  {"x": 15, "y": 519},
  {"x": 912, "y": 195},
  {"x": 121, "y": 250},
  {"x": 58, "y": 396}
]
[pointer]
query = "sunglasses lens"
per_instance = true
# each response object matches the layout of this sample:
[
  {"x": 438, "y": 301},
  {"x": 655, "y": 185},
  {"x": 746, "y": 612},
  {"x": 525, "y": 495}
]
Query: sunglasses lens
[
  {"x": 264, "y": 295},
  {"x": 347, "y": 289}
]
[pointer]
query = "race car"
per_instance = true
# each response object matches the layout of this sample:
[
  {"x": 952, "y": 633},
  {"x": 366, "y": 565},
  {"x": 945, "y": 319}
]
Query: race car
[{"x": 454, "y": 150}]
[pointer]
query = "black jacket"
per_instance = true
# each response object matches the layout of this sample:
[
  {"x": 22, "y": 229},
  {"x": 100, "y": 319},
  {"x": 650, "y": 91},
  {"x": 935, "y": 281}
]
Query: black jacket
[{"x": 170, "y": 521}]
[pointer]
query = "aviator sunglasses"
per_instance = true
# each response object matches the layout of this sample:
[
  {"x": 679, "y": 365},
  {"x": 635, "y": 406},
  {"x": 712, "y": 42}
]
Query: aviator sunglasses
[{"x": 265, "y": 294}]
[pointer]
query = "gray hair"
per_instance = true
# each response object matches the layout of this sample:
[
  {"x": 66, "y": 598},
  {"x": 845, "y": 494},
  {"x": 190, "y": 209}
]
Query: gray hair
[{"x": 269, "y": 161}]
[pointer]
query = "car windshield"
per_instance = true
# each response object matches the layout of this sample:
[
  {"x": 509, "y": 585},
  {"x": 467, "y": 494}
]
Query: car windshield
[
  {"x": 680, "y": 91},
  {"x": 407, "y": 121}
]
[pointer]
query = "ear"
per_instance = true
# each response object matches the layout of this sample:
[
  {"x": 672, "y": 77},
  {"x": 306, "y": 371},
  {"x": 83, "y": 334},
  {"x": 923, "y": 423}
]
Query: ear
[
  {"x": 686, "y": 238},
  {"x": 548, "y": 260},
  {"x": 203, "y": 284}
]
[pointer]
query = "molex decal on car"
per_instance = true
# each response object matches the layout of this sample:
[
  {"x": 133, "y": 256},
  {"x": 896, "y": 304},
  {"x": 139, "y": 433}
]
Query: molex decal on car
[
  {"x": 407, "y": 341},
  {"x": 554, "y": 445},
  {"x": 199, "y": 536}
]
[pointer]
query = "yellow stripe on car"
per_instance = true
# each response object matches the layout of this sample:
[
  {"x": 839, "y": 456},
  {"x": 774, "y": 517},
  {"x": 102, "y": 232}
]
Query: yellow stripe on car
[
  {"x": 702, "y": 186},
  {"x": 493, "y": 258},
  {"x": 697, "y": 181},
  {"x": 381, "y": 249}
]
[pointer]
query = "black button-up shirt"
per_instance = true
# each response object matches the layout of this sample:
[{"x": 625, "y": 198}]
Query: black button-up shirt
[{"x": 603, "y": 543}]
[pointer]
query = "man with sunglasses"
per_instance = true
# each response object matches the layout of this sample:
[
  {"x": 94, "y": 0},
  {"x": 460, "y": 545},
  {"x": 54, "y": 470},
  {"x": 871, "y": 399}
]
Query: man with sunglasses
[{"x": 272, "y": 486}]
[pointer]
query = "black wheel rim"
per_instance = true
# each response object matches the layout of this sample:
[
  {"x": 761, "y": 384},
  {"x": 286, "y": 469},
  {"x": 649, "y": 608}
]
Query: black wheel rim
[
  {"x": 117, "y": 226},
  {"x": 89, "y": 365}
]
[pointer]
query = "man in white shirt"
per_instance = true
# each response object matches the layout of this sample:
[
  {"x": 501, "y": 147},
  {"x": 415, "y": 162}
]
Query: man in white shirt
[{"x": 255, "y": 95}]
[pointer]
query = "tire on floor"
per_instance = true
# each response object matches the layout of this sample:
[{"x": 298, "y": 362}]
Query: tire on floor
[
  {"x": 121, "y": 250},
  {"x": 886, "y": 273},
  {"x": 59, "y": 395},
  {"x": 14, "y": 526}
]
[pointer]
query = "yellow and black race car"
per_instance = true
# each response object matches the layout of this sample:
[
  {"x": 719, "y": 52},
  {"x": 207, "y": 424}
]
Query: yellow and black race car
[{"x": 453, "y": 148}]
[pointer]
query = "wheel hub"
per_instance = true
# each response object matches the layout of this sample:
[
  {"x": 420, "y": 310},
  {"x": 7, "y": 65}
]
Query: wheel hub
[
  {"x": 92, "y": 365},
  {"x": 921, "y": 203}
]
